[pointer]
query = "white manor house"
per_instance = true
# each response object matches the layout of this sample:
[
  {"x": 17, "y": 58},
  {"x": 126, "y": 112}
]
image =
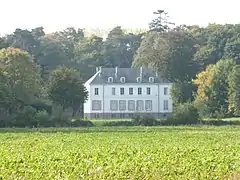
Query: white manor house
[{"x": 123, "y": 92}]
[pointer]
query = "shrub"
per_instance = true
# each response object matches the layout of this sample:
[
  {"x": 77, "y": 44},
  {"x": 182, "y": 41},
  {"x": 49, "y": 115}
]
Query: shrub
[
  {"x": 144, "y": 120},
  {"x": 183, "y": 114},
  {"x": 219, "y": 122},
  {"x": 42, "y": 106},
  {"x": 60, "y": 117},
  {"x": 43, "y": 119},
  {"x": 81, "y": 123},
  {"x": 25, "y": 118},
  {"x": 118, "y": 123}
]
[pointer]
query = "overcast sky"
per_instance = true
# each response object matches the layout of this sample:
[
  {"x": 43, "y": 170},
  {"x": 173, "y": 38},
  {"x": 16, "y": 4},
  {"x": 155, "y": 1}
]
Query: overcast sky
[{"x": 58, "y": 14}]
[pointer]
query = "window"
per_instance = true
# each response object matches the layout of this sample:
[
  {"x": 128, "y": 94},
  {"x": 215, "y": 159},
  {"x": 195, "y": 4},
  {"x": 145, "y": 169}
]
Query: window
[
  {"x": 113, "y": 105},
  {"x": 113, "y": 91},
  {"x": 122, "y": 79},
  {"x": 122, "y": 91},
  {"x": 96, "y": 91},
  {"x": 131, "y": 105},
  {"x": 122, "y": 115},
  {"x": 148, "y": 105},
  {"x": 165, "y": 105},
  {"x": 148, "y": 91},
  {"x": 96, "y": 105},
  {"x": 140, "y": 105},
  {"x": 165, "y": 91},
  {"x": 130, "y": 91},
  {"x": 110, "y": 79},
  {"x": 122, "y": 105},
  {"x": 139, "y": 79},
  {"x": 139, "y": 91},
  {"x": 151, "y": 79}
]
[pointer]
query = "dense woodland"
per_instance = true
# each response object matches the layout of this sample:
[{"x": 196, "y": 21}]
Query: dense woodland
[{"x": 39, "y": 70}]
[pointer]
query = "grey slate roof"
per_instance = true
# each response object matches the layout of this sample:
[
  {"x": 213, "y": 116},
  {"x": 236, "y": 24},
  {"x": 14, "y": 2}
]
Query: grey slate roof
[{"x": 130, "y": 74}]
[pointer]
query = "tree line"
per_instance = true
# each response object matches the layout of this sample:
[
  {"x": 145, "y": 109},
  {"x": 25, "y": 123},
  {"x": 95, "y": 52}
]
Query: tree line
[{"x": 202, "y": 62}]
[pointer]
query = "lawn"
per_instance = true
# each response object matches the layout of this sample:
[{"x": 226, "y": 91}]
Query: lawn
[{"x": 120, "y": 153}]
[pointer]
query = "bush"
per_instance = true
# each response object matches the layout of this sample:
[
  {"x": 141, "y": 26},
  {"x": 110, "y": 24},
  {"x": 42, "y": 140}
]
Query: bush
[
  {"x": 81, "y": 123},
  {"x": 42, "y": 106},
  {"x": 219, "y": 122},
  {"x": 61, "y": 117},
  {"x": 118, "y": 123},
  {"x": 183, "y": 114},
  {"x": 25, "y": 118},
  {"x": 144, "y": 120},
  {"x": 43, "y": 119}
]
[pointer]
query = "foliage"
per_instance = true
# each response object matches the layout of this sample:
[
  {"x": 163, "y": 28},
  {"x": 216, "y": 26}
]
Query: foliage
[
  {"x": 81, "y": 123},
  {"x": 21, "y": 77},
  {"x": 43, "y": 119},
  {"x": 182, "y": 92},
  {"x": 161, "y": 22},
  {"x": 234, "y": 91},
  {"x": 170, "y": 53},
  {"x": 26, "y": 40},
  {"x": 120, "y": 153},
  {"x": 186, "y": 114},
  {"x": 119, "y": 48},
  {"x": 88, "y": 54},
  {"x": 66, "y": 89},
  {"x": 41, "y": 105},
  {"x": 25, "y": 118},
  {"x": 118, "y": 123},
  {"x": 144, "y": 120},
  {"x": 213, "y": 86},
  {"x": 220, "y": 122}
]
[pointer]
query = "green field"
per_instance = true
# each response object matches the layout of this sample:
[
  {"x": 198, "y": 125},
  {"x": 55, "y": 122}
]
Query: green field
[{"x": 120, "y": 153}]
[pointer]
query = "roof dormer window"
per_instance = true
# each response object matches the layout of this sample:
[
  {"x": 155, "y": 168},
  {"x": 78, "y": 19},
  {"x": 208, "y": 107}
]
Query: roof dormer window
[
  {"x": 110, "y": 79},
  {"x": 122, "y": 79},
  {"x": 139, "y": 79},
  {"x": 151, "y": 79}
]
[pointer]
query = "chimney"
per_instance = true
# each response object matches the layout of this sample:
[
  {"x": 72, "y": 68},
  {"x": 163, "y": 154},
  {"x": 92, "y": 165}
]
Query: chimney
[
  {"x": 141, "y": 71},
  {"x": 116, "y": 72}
]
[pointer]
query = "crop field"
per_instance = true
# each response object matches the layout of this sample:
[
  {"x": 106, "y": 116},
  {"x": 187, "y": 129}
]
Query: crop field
[{"x": 120, "y": 153}]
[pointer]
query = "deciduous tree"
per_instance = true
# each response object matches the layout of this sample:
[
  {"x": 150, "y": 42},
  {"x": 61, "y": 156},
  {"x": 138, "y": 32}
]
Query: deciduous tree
[
  {"x": 66, "y": 88},
  {"x": 21, "y": 75}
]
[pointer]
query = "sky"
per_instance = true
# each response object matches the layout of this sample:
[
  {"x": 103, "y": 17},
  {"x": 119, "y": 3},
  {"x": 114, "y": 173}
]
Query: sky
[{"x": 56, "y": 15}]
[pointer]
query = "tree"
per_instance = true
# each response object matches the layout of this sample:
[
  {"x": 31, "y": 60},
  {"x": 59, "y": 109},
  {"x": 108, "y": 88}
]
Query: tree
[
  {"x": 183, "y": 92},
  {"x": 88, "y": 56},
  {"x": 3, "y": 44},
  {"x": 216, "y": 42},
  {"x": 203, "y": 81},
  {"x": 7, "y": 99},
  {"x": 21, "y": 75},
  {"x": 213, "y": 87},
  {"x": 58, "y": 49},
  {"x": 169, "y": 53},
  {"x": 51, "y": 55},
  {"x": 234, "y": 91},
  {"x": 26, "y": 40},
  {"x": 66, "y": 89},
  {"x": 119, "y": 48},
  {"x": 161, "y": 22}
]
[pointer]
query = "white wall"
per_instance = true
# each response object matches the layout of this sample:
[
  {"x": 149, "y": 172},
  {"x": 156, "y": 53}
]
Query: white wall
[
  {"x": 135, "y": 96},
  {"x": 105, "y": 95},
  {"x": 165, "y": 97}
]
